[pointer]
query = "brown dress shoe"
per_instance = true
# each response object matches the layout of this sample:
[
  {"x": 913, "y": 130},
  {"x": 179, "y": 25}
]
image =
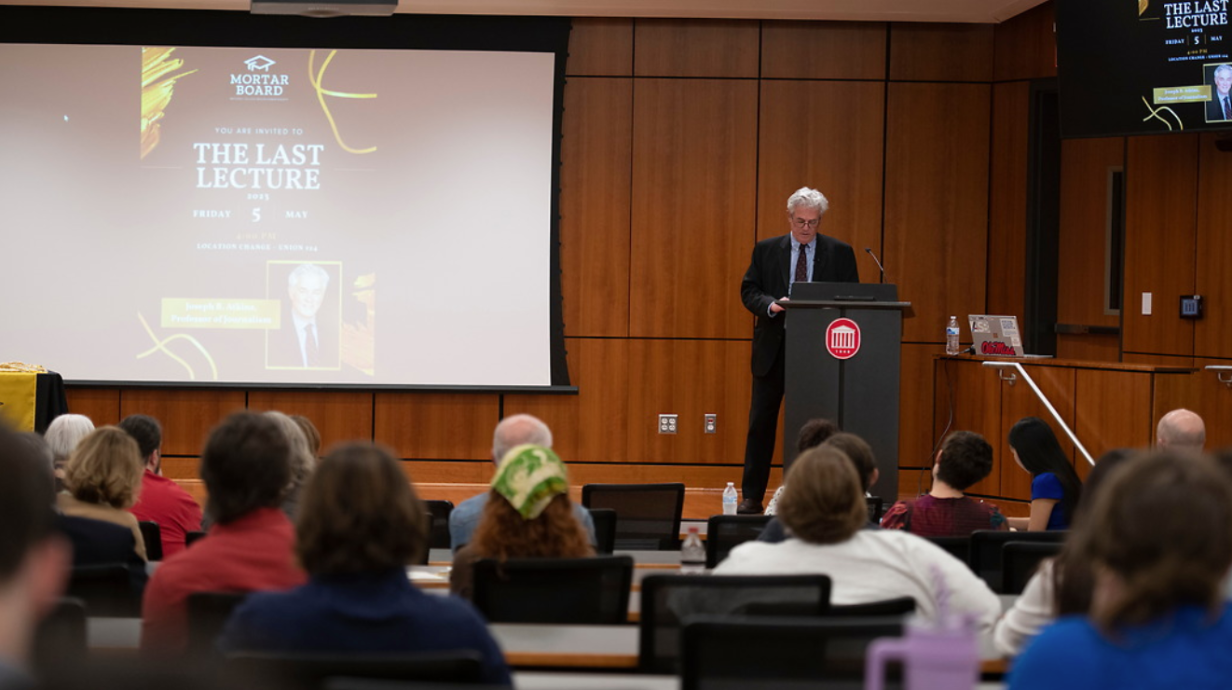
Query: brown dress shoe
[{"x": 749, "y": 507}]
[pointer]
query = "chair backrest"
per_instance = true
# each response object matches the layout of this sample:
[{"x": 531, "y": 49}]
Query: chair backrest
[
  {"x": 306, "y": 671},
  {"x": 604, "y": 520},
  {"x": 1020, "y": 560},
  {"x": 778, "y": 654},
  {"x": 985, "y": 556},
  {"x": 647, "y": 515},
  {"x": 671, "y": 601},
  {"x": 60, "y": 637},
  {"x": 190, "y": 537},
  {"x": 591, "y": 590},
  {"x": 152, "y": 535},
  {"x": 899, "y": 606},
  {"x": 875, "y": 506},
  {"x": 207, "y": 614},
  {"x": 726, "y": 532},
  {"x": 107, "y": 590},
  {"x": 958, "y": 547},
  {"x": 439, "y": 512}
]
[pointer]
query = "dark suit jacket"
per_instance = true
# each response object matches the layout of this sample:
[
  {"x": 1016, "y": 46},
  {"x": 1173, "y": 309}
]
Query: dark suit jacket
[
  {"x": 1214, "y": 109},
  {"x": 768, "y": 279},
  {"x": 96, "y": 542},
  {"x": 284, "y": 344}
]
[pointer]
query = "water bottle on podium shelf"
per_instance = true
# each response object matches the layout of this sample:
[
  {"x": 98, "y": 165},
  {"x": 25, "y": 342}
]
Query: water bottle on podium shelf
[
  {"x": 693, "y": 554},
  {"x": 951, "y": 337},
  {"x": 729, "y": 499}
]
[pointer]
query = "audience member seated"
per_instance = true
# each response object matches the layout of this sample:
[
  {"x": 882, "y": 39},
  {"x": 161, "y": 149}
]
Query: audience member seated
[
  {"x": 246, "y": 467},
  {"x": 1055, "y": 486},
  {"x": 825, "y": 509},
  {"x": 512, "y": 431},
  {"x": 103, "y": 480},
  {"x": 814, "y": 433},
  {"x": 528, "y": 515},
  {"x": 1062, "y": 585},
  {"x": 62, "y": 436},
  {"x": 1159, "y": 542},
  {"x": 964, "y": 459},
  {"x": 857, "y": 451},
  {"x": 34, "y": 560},
  {"x": 161, "y": 500},
  {"x": 310, "y": 434},
  {"x": 1182, "y": 431},
  {"x": 361, "y": 524},
  {"x": 303, "y": 461}
]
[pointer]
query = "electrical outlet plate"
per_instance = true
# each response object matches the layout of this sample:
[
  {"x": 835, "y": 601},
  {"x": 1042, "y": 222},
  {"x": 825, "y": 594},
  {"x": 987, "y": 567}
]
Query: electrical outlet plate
[
  {"x": 667, "y": 424},
  {"x": 711, "y": 424}
]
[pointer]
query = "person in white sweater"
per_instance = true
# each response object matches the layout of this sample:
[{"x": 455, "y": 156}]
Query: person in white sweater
[{"x": 825, "y": 510}]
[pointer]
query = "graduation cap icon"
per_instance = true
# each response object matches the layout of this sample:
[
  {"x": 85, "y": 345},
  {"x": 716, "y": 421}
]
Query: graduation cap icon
[{"x": 258, "y": 63}]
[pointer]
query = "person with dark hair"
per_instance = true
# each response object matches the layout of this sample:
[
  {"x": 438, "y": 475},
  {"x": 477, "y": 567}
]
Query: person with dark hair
[
  {"x": 945, "y": 511},
  {"x": 1055, "y": 486},
  {"x": 246, "y": 467},
  {"x": 34, "y": 559},
  {"x": 528, "y": 515},
  {"x": 1062, "y": 585},
  {"x": 815, "y": 432},
  {"x": 854, "y": 449},
  {"x": 1158, "y": 539},
  {"x": 360, "y": 525},
  {"x": 825, "y": 509},
  {"x": 162, "y": 500}
]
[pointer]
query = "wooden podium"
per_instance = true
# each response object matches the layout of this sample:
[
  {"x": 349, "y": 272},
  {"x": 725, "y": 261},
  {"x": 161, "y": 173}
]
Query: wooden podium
[{"x": 843, "y": 352}]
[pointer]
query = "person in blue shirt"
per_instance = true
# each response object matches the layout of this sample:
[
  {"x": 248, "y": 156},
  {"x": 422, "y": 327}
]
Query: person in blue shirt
[
  {"x": 1055, "y": 486},
  {"x": 360, "y": 524},
  {"x": 1159, "y": 540}
]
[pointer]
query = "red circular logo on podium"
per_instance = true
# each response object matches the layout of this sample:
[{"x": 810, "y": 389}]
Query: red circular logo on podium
[{"x": 843, "y": 338}]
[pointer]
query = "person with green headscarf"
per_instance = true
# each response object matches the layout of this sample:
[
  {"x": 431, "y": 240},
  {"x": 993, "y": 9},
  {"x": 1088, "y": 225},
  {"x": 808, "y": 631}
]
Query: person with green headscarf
[{"x": 528, "y": 515}]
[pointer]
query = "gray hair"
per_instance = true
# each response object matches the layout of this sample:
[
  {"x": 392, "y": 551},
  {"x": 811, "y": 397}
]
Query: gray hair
[
  {"x": 517, "y": 430},
  {"x": 1181, "y": 429},
  {"x": 1223, "y": 68},
  {"x": 64, "y": 433},
  {"x": 303, "y": 271},
  {"x": 302, "y": 462},
  {"x": 808, "y": 198}
]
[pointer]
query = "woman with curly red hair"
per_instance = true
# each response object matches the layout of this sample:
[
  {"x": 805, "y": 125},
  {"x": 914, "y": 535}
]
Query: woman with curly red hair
[{"x": 528, "y": 515}]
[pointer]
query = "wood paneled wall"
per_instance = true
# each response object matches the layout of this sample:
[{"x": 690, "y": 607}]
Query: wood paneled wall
[{"x": 682, "y": 141}]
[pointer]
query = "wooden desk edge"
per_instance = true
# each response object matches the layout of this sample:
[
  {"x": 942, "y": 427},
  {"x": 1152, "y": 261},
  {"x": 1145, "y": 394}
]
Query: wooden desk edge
[{"x": 557, "y": 660}]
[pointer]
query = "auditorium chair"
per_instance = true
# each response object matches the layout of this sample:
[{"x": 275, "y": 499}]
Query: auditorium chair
[
  {"x": 647, "y": 515},
  {"x": 671, "y": 601},
  {"x": 958, "y": 547},
  {"x": 60, "y": 636},
  {"x": 152, "y": 535},
  {"x": 313, "y": 671},
  {"x": 1020, "y": 560},
  {"x": 986, "y": 547},
  {"x": 604, "y": 520},
  {"x": 207, "y": 614},
  {"x": 726, "y": 532},
  {"x": 591, "y": 590},
  {"x": 786, "y": 653},
  {"x": 107, "y": 590},
  {"x": 439, "y": 512}
]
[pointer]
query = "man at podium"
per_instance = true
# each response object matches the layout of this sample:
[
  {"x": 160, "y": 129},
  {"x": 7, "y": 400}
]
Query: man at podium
[{"x": 802, "y": 255}]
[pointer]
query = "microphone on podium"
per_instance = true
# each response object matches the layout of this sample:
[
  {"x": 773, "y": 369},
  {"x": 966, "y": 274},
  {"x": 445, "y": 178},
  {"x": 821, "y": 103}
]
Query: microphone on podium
[{"x": 878, "y": 262}]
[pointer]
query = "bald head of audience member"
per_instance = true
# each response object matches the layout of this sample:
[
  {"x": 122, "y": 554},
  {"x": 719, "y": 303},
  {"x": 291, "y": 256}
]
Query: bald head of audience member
[
  {"x": 519, "y": 430},
  {"x": 1181, "y": 430},
  {"x": 34, "y": 560}
]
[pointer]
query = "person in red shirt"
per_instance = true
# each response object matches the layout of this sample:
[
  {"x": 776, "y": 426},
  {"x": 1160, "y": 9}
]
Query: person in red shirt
[
  {"x": 246, "y": 466},
  {"x": 945, "y": 511},
  {"x": 161, "y": 499}
]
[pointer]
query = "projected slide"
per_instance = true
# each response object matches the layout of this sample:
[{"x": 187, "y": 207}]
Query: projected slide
[
  {"x": 1143, "y": 66},
  {"x": 242, "y": 215}
]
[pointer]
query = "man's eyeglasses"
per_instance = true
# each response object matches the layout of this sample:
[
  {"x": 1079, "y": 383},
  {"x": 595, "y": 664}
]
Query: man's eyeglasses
[{"x": 801, "y": 223}]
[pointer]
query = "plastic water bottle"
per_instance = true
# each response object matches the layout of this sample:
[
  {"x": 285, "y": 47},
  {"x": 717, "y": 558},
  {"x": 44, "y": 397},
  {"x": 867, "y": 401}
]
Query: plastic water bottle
[
  {"x": 951, "y": 337},
  {"x": 729, "y": 499},
  {"x": 693, "y": 554}
]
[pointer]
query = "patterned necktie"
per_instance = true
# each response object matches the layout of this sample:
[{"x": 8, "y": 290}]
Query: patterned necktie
[
  {"x": 802, "y": 265},
  {"x": 310, "y": 346},
  {"x": 1227, "y": 109}
]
